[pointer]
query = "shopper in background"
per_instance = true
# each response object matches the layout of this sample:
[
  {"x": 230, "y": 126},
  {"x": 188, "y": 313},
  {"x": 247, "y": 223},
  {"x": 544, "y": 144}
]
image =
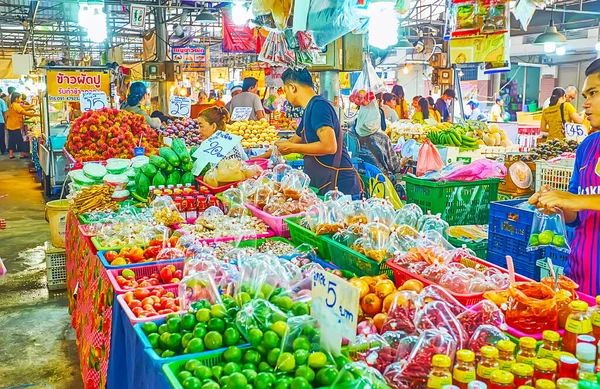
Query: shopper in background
[
  {"x": 414, "y": 106},
  {"x": 497, "y": 111},
  {"x": 376, "y": 148},
  {"x": 234, "y": 91},
  {"x": 433, "y": 113},
  {"x": 442, "y": 104},
  {"x": 476, "y": 113},
  {"x": 14, "y": 124},
  {"x": 214, "y": 119},
  {"x": 571, "y": 94},
  {"x": 249, "y": 99},
  {"x": 581, "y": 204},
  {"x": 11, "y": 90},
  {"x": 3, "y": 116},
  {"x": 401, "y": 104},
  {"x": 558, "y": 113},
  {"x": 319, "y": 137},
  {"x": 138, "y": 96},
  {"x": 389, "y": 105},
  {"x": 422, "y": 112}
]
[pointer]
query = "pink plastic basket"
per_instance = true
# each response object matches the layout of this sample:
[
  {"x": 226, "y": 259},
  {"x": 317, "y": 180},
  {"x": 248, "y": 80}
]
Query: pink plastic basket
[
  {"x": 142, "y": 271},
  {"x": 267, "y": 234},
  {"x": 262, "y": 162},
  {"x": 276, "y": 223},
  {"x": 519, "y": 334},
  {"x": 131, "y": 316}
]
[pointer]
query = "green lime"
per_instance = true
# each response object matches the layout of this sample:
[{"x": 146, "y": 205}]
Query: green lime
[
  {"x": 149, "y": 327},
  {"x": 306, "y": 372},
  {"x": 233, "y": 354},
  {"x": 250, "y": 375},
  {"x": 301, "y": 343},
  {"x": 271, "y": 339},
  {"x": 285, "y": 303},
  {"x": 278, "y": 316},
  {"x": 263, "y": 380},
  {"x": 200, "y": 330},
  {"x": 231, "y": 368},
  {"x": 317, "y": 360},
  {"x": 174, "y": 324},
  {"x": 545, "y": 237},
  {"x": 128, "y": 273},
  {"x": 191, "y": 383},
  {"x": 264, "y": 366},
  {"x": 280, "y": 328},
  {"x": 158, "y": 351},
  {"x": 210, "y": 385},
  {"x": 192, "y": 365},
  {"x": 558, "y": 241},
  {"x": 183, "y": 375},
  {"x": 262, "y": 350},
  {"x": 186, "y": 339},
  {"x": 299, "y": 309},
  {"x": 249, "y": 366},
  {"x": 231, "y": 336},
  {"x": 272, "y": 356},
  {"x": 237, "y": 381},
  {"x": 201, "y": 304},
  {"x": 213, "y": 340},
  {"x": 242, "y": 298},
  {"x": 286, "y": 362},
  {"x": 174, "y": 341},
  {"x": 223, "y": 381},
  {"x": 203, "y": 315},
  {"x": 217, "y": 372},
  {"x": 267, "y": 289},
  {"x": 188, "y": 321},
  {"x": 300, "y": 383},
  {"x": 195, "y": 345},
  {"x": 168, "y": 354},
  {"x": 301, "y": 357},
  {"x": 153, "y": 339},
  {"x": 283, "y": 383},
  {"x": 163, "y": 328},
  {"x": 251, "y": 356},
  {"x": 163, "y": 340},
  {"x": 255, "y": 336},
  {"x": 326, "y": 376},
  {"x": 218, "y": 311},
  {"x": 203, "y": 372},
  {"x": 216, "y": 324}
]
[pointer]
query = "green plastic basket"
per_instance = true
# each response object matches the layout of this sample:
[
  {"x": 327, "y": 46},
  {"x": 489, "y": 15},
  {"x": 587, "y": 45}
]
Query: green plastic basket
[
  {"x": 301, "y": 235},
  {"x": 480, "y": 248},
  {"x": 346, "y": 258},
  {"x": 257, "y": 242},
  {"x": 459, "y": 202}
]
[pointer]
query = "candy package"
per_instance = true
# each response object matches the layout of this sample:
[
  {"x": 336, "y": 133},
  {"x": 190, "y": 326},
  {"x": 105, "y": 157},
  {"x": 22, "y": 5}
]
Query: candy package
[
  {"x": 437, "y": 314},
  {"x": 165, "y": 212},
  {"x": 549, "y": 231}
]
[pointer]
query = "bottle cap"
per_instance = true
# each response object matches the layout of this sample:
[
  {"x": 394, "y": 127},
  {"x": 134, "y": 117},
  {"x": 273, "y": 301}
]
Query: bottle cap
[
  {"x": 551, "y": 336},
  {"x": 566, "y": 354},
  {"x": 568, "y": 360},
  {"x": 544, "y": 384},
  {"x": 465, "y": 355},
  {"x": 586, "y": 352},
  {"x": 566, "y": 382},
  {"x": 502, "y": 377},
  {"x": 506, "y": 345},
  {"x": 441, "y": 360},
  {"x": 527, "y": 342},
  {"x": 545, "y": 364},
  {"x": 489, "y": 352},
  {"x": 477, "y": 385},
  {"x": 579, "y": 306},
  {"x": 522, "y": 369},
  {"x": 586, "y": 339}
]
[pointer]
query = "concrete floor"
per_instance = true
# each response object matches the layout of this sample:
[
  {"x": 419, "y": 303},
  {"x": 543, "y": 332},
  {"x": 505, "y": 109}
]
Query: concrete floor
[{"x": 37, "y": 342}]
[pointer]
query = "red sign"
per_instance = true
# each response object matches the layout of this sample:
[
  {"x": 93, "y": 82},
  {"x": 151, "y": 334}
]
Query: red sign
[{"x": 240, "y": 39}]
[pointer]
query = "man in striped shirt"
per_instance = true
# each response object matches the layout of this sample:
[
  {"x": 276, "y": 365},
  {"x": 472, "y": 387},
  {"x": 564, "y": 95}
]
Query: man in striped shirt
[{"x": 581, "y": 204}]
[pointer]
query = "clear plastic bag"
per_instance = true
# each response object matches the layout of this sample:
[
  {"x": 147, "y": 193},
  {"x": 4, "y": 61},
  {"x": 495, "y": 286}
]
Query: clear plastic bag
[
  {"x": 465, "y": 13},
  {"x": 210, "y": 178},
  {"x": 368, "y": 120},
  {"x": 548, "y": 231},
  {"x": 293, "y": 183},
  {"x": 380, "y": 209},
  {"x": 359, "y": 375},
  {"x": 408, "y": 215},
  {"x": 373, "y": 350},
  {"x": 328, "y": 20},
  {"x": 259, "y": 314},
  {"x": 495, "y": 15},
  {"x": 230, "y": 170},
  {"x": 366, "y": 87},
  {"x": 165, "y": 212},
  {"x": 435, "y": 224},
  {"x": 485, "y": 335},
  {"x": 437, "y": 314},
  {"x": 484, "y": 312},
  {"x": 437, "y": 293},
  {"x": 400, "y": 316},
  {"x": 197, "y": 287}
]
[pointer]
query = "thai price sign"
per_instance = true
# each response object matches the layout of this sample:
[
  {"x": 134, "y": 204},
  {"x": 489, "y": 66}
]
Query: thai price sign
[
  {"x": 335, "y": 305},
  {"x": 92, "y": 101},
  {"x": 241, "y": 113},
  {"x": 575, "y": 132},
  {"x": 214, "y": 149},
  {"x": 180, "y": 106},
  {"x": 68, "y": 85}
]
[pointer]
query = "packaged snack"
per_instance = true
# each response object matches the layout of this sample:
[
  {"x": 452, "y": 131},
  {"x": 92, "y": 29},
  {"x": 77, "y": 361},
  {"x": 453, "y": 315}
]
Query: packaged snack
[
  {"x": 495, "y": 16},
  {"x": 548, "y": 231},
  {"x": 230, "y": 170},
  {"x": 408, "y": 215},
  {"x": 465, "y": 13}
]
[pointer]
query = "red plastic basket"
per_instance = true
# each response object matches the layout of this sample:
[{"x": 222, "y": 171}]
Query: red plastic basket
[
  {"x": 402, "y": 275},
  {"x": 276, "y": 223},
  {"x": 142, "y": 271},
  {"x": 131, "y": 316}
]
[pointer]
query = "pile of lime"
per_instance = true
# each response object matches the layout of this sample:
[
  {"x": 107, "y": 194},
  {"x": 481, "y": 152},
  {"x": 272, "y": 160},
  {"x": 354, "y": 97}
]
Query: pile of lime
[
  {"x": 277, "y": 296},
  {"x": 546, "y": 238}
]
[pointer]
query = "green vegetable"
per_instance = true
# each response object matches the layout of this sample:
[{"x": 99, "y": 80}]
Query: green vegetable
[
  {"x": 143, "y": 186},
  {"x": 187, "y": 178},
  {"x": 174, "y": 178},
  {"x": 181, "y": 150},
  {"x": 159, "y": 162},
  {"x": 169, "y": 169},
  {"x": 169, "y": 155},
  {"x": 149, "y": 170},
  {"x": 187, "y": 167},
  {"x": 159, "y": 179}
]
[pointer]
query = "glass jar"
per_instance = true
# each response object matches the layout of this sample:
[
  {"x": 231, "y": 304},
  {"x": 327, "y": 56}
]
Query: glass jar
[
  {"x": 440, "y": 375},
  {"x": 550, "y": 346},
  {"x": 501, "y": 379},
  {"x": 523, "y": 374},
  {"x": 578, "y": 323},
  {"x": 527, "y": 352},
  {"x": 596, "y": 320},
  {"x": 487, "y": 364},
  {"x": 544, "y": 369},
  {"x": 464, "y": 369},
  {"x": 568, "y": 367},
  {"x": 544, "y": 384},
  {"x": 566, "y": 383},
  {"x": 506, "y": 354}
]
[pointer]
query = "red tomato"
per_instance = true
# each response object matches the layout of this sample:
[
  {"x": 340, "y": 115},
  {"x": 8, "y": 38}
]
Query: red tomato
[
  {"x": 141, "y": 294},
  {"x": 145, "y": 284},
  {"x": 111, "y": 255},
  {"x": 154, "y": 275},
  {"x": 172, "y": 307},
  {"x": 178, "y": 274},
  {"x": 151, "y": 314},
  {"x": 135, "y": 303},
  {"x": 154, "y": 282},
  {"x": 148, "y": 300},
  {"x": 148, "y": 308},
  {"x": 156, "y": 299},
  {"x": 128, "y": 297},
  {"x": 166, "y": 301},
  {"x": 121, "y": 281},
  {"x": 160, "y": 291},
  {"x": 157, "y": 307},
  {"x": 137, "y": 310}
]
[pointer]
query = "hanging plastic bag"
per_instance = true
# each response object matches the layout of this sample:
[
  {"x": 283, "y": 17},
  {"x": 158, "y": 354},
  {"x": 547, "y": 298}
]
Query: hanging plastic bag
[
  {"x": 327, "y": 20},
  {"x": 428, "y": 159},
  {"x": 368, "y": 120},
  {"x": 366, "y": 87},
  {"x": 549, "y": 231}
]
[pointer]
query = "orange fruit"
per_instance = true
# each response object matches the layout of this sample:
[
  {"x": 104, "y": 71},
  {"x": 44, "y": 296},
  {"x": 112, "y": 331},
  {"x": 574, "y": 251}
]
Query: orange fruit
[
  {"x": 385, "y": 288},
  {"x": 379, "y": 320},
  {"x": 414, "y": 285},
  {"x": 371, "y": 304},
  {"x": 362, "y": 286}
]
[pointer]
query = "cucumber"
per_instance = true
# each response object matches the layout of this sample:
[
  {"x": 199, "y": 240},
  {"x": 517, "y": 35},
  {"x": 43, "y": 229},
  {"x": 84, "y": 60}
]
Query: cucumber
[
  {"x": 178, "y": 146},
  {"x": 187, "y": 167},
  {"x": 158, "y": 161},
  {"x": 169, "y": 155},
  {"x": 187, "y": 178},
  {"x": 169, "y": 169},
  {"x": 159, "y": 179},
  {"x": 149, "y": 170}
]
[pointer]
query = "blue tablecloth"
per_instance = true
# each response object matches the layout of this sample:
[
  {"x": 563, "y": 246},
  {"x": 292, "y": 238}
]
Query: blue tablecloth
[{"x": 129, "y": 367}]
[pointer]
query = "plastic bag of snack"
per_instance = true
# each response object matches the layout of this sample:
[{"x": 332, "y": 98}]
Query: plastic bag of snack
[
  {"x": 401, "y": 312},
  {"x": 378, "y": 235},
  {"x": 230, "y": 170},
  {"x": 330, "y": 220},
  {"x": 465, "y": 13},
  {"x": 307, "y": 198},
  {"x": 435, "y": 272},
  {"x": 437, "y": 314},
  {"x": 402, "y": 239},
  {"x": 293, "y": 183},
  {"x": 456, "y": 281},
  {"x": 484, "y": 312},
  {"x": 165, "y": 212},
  {"x": 549, "y": 231},
  {"x": 435, "y": 224},
  {"x": 354, "y": 212},
  {"x": 210, "y": 178},
  {"x": 495, "y": 16},
  {"x": 485, "y": 335},
  {"x": 408, "y": 215},
  {"x": 381, "y": 210}
]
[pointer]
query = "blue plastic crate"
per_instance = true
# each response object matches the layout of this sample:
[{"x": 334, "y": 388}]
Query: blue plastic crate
[
  {"x": 506, "y": 219},
  {"x": 525, "y": 268},
  {"x": 560, "y": 263}
]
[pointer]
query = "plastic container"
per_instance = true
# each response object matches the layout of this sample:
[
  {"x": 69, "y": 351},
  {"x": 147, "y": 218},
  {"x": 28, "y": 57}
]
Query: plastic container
[
  {"x": 402, "y": 275},
  {"x": 276, "y": 223},
  {"x": 550, "y": 348},
  {"x": 56, "y": 215},
  {"x": 133, "y": 319},
  {"x": 267, "y": 234},
  {"x": 557, "y": 174},
  {"x": 464, "y": 369},
  {"x": 141, "y": 271},
  {"x": 346, "y": 258},
  {"x": 527, "y": 354},
  {"x": 99, "y": 247},
  {"x": 440, "y": 374},
  {"x": 107, "y": 264},
  {"x": 301, "y": 235},
  {"x": 459, "y": 202},
  {"x": 586, "y": 354},
  {"x": 487, "y": 364},
  {"x": 56, "y": 267}
]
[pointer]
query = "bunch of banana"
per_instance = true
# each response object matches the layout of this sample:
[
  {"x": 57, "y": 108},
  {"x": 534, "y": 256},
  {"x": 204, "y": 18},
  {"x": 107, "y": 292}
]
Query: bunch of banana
[
  {"x": 94, "y": 198},
  {"x": 452, "y": 136}
]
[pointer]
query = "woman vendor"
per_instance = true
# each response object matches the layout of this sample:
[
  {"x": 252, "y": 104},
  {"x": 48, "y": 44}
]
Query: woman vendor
[
  {"x": 214, "y": 119},
  {"x": 138, "y": 96}
]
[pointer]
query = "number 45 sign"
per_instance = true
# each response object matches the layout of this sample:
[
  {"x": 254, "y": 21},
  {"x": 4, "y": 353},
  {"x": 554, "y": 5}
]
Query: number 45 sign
[
  {"x": 575, "y": 132},
  {"x": 91, "y": 101}
]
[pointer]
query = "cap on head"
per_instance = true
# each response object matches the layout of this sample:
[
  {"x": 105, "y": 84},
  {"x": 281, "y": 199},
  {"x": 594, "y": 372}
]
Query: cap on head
[{"x": 235, "y": 88}]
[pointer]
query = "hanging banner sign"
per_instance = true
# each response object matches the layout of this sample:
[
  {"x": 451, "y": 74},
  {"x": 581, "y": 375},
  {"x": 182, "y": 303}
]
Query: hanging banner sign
[
  {"x": 240, "y": 39},
  {"x": 92, "y": 101},
  {"x": 214, "y": 149},
  {"x": 68, "y": 85},
  {"x": 137, "y": 16},
  {"x": 193, "y": 58},
  {"x": 180, "y": 106}
]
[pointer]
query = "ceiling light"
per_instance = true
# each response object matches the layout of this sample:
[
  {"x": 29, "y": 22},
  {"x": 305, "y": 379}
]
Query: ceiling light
[
  {"x": 206, "y": 17},
  {"x": 383, "y": 25},
  {"x": 597, "y": 46},
  {"x": 561, "y": 50},
  {"x": 239, "y": 14},
  {"x": 550, "y": 35},
  {"x": 549, "y": 47},
  {"x": 405, "y": 69}
]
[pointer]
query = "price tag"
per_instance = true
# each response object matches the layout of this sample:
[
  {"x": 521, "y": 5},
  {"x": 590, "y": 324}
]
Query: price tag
[
  {"x": 334, "y": 305},
  {"x": 241, "y": 113},
  {"x": 214, "y": 149},
  {"x": 180, "y": 106},
  {"x": 575, "y": 132},
  {"x": 91, "y": 101}
]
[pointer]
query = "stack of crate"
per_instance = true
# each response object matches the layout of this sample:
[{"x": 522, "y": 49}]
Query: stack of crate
[{"x": 56, "y": 267}]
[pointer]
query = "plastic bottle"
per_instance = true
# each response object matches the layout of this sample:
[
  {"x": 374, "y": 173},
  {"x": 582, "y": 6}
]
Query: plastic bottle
[
  {"x": 596, "y": 320},
  {"x": 586, "y": 354},
  {"x": 523, "y": 374},
  {"x": 440, "y": 375},
  {"x": 506, "y": 354},
  {"x": 527, "y": 352},
  {"x": 545, "y": 384},
  {"x": 550, "y": 346},
  {"x": 464, "y": 369},
  {"x": 487, "y": 364},
  {"x": 501, "y": 379},
  {"x": 544, "y": 369},
  {"x": 578, "y": 323}
]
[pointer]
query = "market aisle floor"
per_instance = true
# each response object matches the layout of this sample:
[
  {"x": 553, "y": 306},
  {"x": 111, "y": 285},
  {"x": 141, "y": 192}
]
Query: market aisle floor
[{"x": 37, "y": 342}]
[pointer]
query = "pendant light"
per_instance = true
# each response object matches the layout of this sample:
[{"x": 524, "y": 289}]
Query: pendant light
[{"x": 551, "y": 37}]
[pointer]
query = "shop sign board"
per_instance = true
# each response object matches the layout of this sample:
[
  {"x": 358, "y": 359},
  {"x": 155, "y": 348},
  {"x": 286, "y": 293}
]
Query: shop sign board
[
  {"x": 68, "y": 85},
  {"x": 92, "y": 101},
  {"x": 214, "y": 149},
  {"x": 180, "y": 106},
  {"x": 137, "y": 16},
  {"x": 193, "y": 58}
]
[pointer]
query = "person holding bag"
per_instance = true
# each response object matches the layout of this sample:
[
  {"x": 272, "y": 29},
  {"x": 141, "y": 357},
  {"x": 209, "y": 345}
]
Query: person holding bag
[{"x": 558, "y": 113}]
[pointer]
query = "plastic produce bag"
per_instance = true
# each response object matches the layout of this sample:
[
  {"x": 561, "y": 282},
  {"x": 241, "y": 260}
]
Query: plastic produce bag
[
  {"x": 373, "y": 350},
  {"x": 359, "y": 375},
  {"x": 548, "y": 231},
  {"x": 437, "y": 293},
  {"x": 484, "y": 312},
  {"x": 485, "y": 335},
  {"x": 435, "y": 224},
  {"x": 531, "y": 307},
  {"x": 378, "y": 235},
  {"x": 479, "y": 170},
  {"x": 401, "y": 314},
  {"x": 408, "y": 215},
  {"x": 326, "y": 20},
  {"x": 260, "y": 314},
  {"x": 380, "y": 209},
  {"x": 196, "y": 287},
  {"x": 230, "y": 170},
  {"x": 165, "y": 212},
  {"x": 437, "y": 314},
  {"x": 302, "y": 333},
  {"x": 368, "y": 120},
  {"x": 293, "y": 183},
  {"x": 210, "y": 178},
  {"x": 428, "y": 159},
  {"x": 363, "y": 93}
]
